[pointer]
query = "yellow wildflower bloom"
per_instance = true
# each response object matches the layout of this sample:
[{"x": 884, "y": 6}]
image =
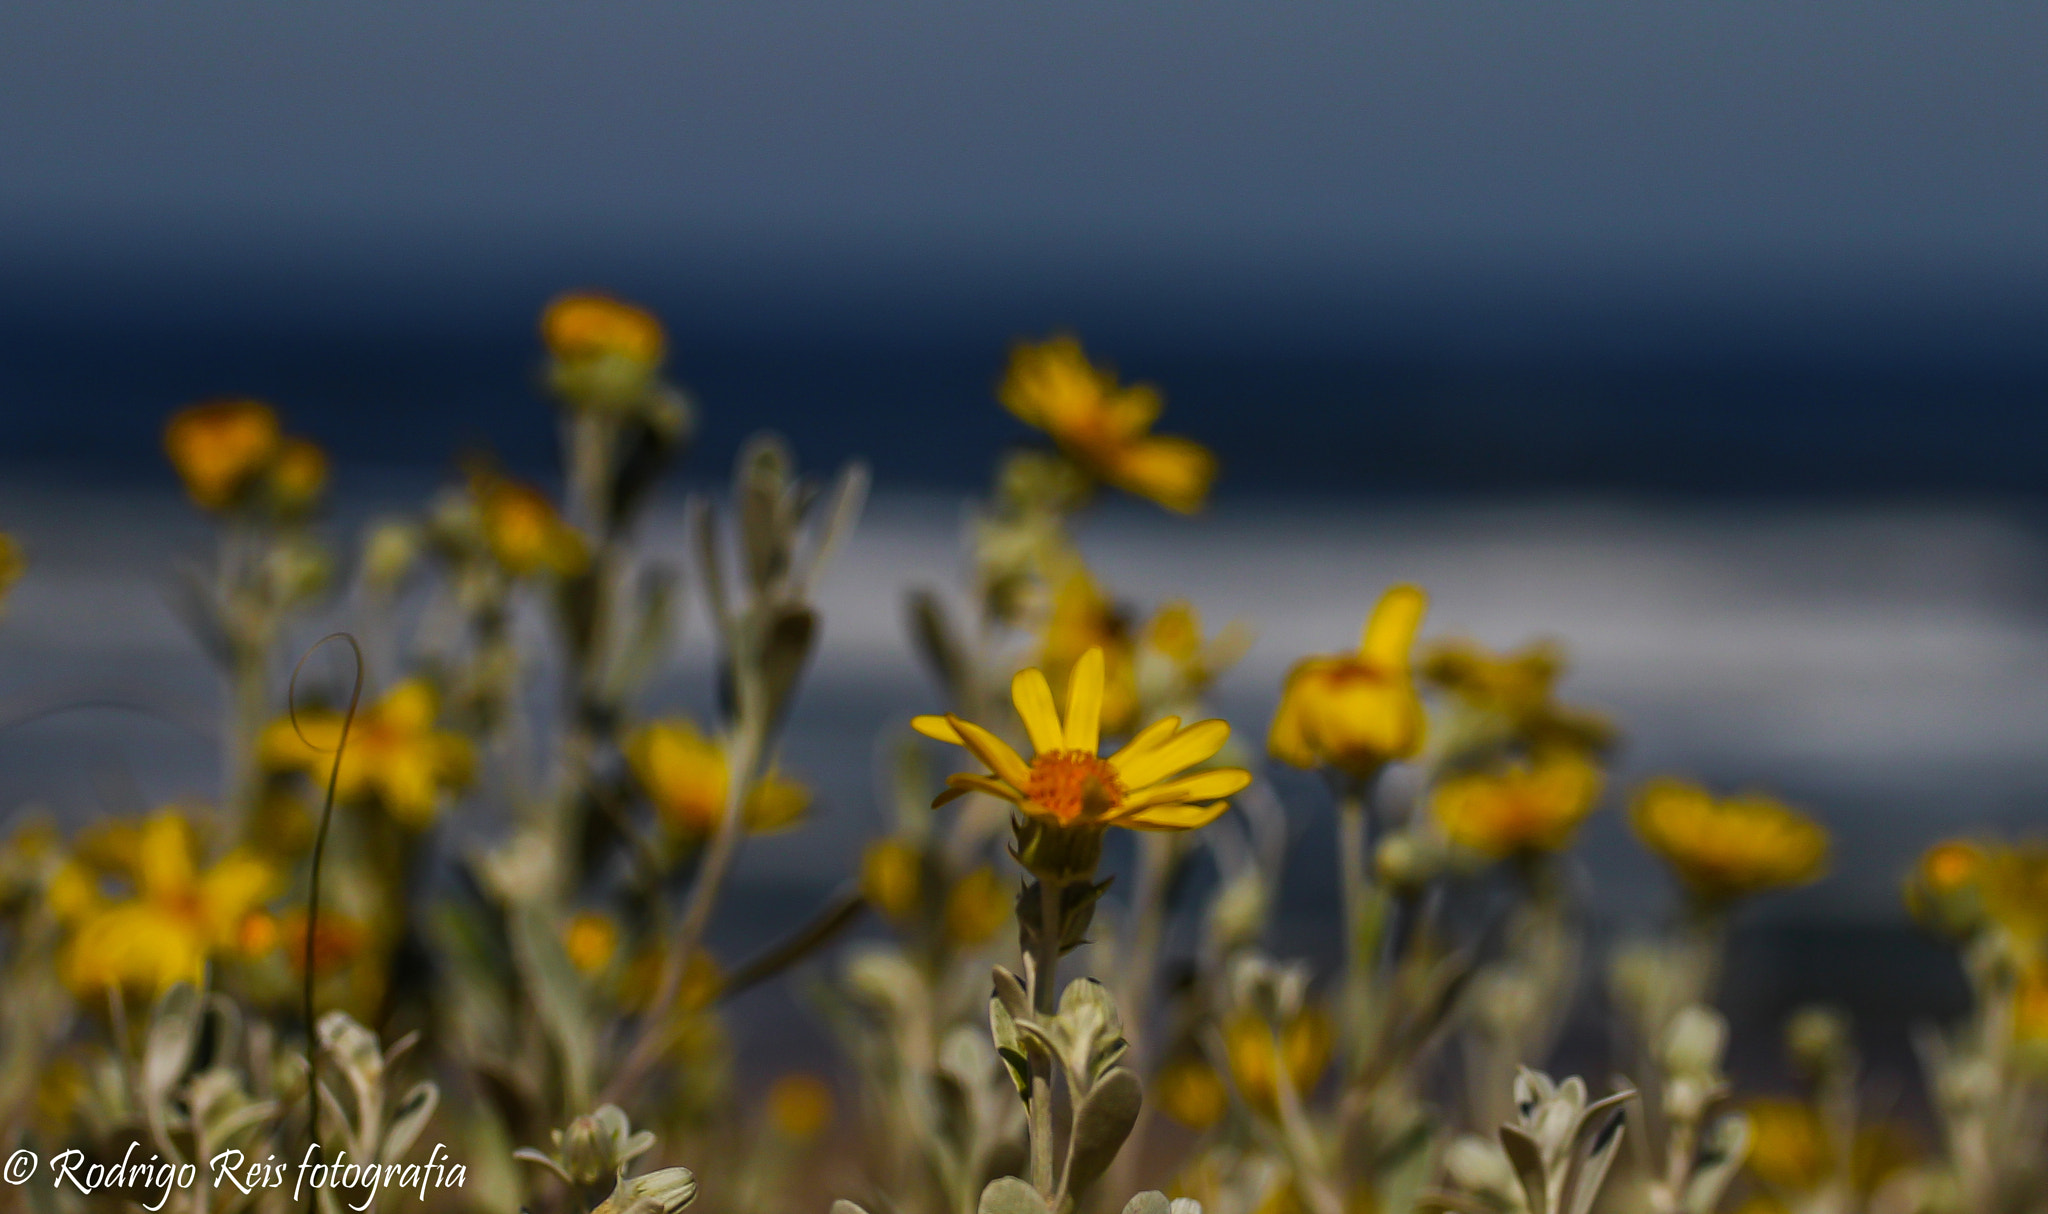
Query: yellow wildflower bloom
[
  {"x": 583, "y": 326},
  {"x": 1518, "y": 689},
  {"x": 1356, "y": 712},
  {"x": 1083, "y": 618},
  {"x": 977, "y": 907},
  {"x": 396, "y": 758},
  {"x": 1522, "y": 807},
  {"x": 591, "y": 940},
  {"x": 2014, "y": 881},
  {"x": 523, "y": 530},
  {"x": 1067, "y": 783},
  {"x": 1103, "y": 427},
  {"x": 891, "y": 877},
  {"x": 1945, "y": 891},
  {"x": 1728, "y": 847},
  {"x": 339, "y": 940},
  {"x": 684, "y": 774},
  {"x": 1193, "y": 1094},
  {"x": 1788, "y": 1147},
  {"x": 219, "y": 448},
  {"x": 799, "y": 1106},
  {"x": 173, "y": 918},
  {"x": 298, "y": 474}
]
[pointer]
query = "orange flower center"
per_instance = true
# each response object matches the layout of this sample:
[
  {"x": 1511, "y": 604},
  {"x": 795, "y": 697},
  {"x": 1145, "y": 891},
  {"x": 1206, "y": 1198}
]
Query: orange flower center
[{"x": 1074, "y": 784}]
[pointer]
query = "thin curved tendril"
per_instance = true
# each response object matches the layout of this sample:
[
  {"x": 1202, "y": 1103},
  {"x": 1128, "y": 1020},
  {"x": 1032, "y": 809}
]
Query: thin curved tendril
[{"x": 291, "y": 703}]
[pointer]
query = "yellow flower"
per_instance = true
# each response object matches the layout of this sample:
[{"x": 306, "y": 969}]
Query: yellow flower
[
  {"x": 1944, "y": 891},
  {"x": 1085, "y": 618},
  {"x": 1193, "y": 1094},
  {"x": 1523, "y": 807},
  {"x": 1788, "y": 1147},
  {"x": 1104, "y": 428},
  {"x": 523, "y": 531},
  {"x": 2030, "y": 1016},
  {"x": 1517, "y": 688},
  {"x": 2014, "y": 882},
  {"x": 1356, "y": 712},
  {"x": 799, "y": 1106},
  {"x": 591, "y": 940},
  {"x": 298, "y": 474},
  {"x": 891, "y": 878},
  {"x": 339, "y": 940},
  {"x": 685, "y": 776},
  {"x": 1067, "y": 783},
  {"x": 172, "y": 919},
  {"x": 395, "y": 758},
  {"x": 585, "y": 326},
  {"x": 219, "y": 448},
  {"x": 977, "y": 907},
  {"x": 1728, "y": 847}
]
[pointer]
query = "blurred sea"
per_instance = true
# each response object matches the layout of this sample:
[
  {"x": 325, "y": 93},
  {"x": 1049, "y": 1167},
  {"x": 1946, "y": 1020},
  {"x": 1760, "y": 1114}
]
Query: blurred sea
[{"x": 1886, "y": 668}]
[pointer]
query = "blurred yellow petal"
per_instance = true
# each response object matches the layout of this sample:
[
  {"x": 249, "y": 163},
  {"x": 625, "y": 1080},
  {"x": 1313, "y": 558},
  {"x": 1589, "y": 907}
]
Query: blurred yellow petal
[
  {"x": 1175, "y": 472},
  {"x": 1390, "y": 631}
]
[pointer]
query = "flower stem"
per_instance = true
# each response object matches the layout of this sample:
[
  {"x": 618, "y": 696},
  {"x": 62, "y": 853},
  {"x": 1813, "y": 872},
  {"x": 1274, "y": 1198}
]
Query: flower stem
[{"x": 1044, "y": 999}]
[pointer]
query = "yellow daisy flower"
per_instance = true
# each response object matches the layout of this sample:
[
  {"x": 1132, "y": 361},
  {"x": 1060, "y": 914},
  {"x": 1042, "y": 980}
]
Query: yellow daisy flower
[
  {"x": 1728, "y": 847},
  {"x": 1104, "y": 428},
  {"x": 684, "y": 774},
  {"x": 1523, "y": 807},
  {"x": 396, "y": 758},
  {"x": 585, "y": 326},
  {"x": 219, "y": 448},
  {"x": 1068, "y": 784},
  {"x": 1356, "y": 712}
]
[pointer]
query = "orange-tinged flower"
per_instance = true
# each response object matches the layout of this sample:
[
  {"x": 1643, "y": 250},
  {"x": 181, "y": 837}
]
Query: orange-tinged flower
[
  {"x": 172, "y": 919},
  {"x": 686, "y": 777},
  {"x": 1356, "y": 712},
  {"x": 219, "y": 448},
  {"x": 1788, "y": 1146},
  {"x": 396, "y": 758},
  {"x": 1067, "y": 783},
  {"x": 523, "y": 530},
  {"x": 1522, "y": 807},
  {"x": 1103, "y": 427},
  {"x": 591, "y": 940},
  {"x": 1945, "y": 889},
  {"x": 799, "y": 1106},
  {"x": 1728, "y": 847},
  {"x": 338, "y": 940},
  {"x": 584, "y": 326}
]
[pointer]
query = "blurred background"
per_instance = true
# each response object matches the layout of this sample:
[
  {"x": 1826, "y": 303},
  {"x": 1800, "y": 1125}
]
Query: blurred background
[{"x": 1707, "y": 340}]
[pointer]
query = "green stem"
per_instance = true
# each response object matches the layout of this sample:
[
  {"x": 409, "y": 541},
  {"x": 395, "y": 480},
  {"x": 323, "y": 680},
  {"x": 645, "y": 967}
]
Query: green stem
[{"x": 1044, "y": 1000}]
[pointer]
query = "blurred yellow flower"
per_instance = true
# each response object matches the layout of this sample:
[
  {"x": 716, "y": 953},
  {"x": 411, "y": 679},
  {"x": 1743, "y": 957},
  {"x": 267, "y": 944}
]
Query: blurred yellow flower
[
  {"x": 338, "y": 940},
  {"x": 523, "y": 530},
  {"x": 220, "y": 447},
  {"x": 2014, "y": 881},
  {"x": 891, "y": 878},
  {"x": 1103, "y": 427},
  {"x": 1193, "y": 1094},
  {"x": 591, "y": 940},
  {"x": 1724, "y": 848},
  {"x": 1083, "y": 617},
  {"x": 1788, "y": 1147},
  {"x": 298, "y": 475},
  {"x": 396, "y": 758},
  {"x": 1356, "y": 712},
  {"x": 2030, "y": 1009},
  {"x": 172, "y": 918},
  {"x": 977, "y": 907},
  {"x": 583, "y": 326},
  {"x": 684, "y": 775},
  {"x": 799, "y": 1106},
  {"x": 1067, "y": 783},
  {"x": 1521, "y": 807},
  {"x": 1519, "y": 689},
  {"x": 1945, "y": 889}
]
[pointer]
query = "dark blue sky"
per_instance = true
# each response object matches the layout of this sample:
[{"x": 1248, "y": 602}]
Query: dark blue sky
[{"x": 1447, "y": 246}]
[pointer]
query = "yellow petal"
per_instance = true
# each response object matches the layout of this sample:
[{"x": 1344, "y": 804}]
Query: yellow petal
[
  {"x": 1148, "y": 739},
  {"x": 960, "y": 784},
  {"x": 1175, "y": 472},
  {"x": 937, "y": 728},
  {"x": 1202, "y": 786},
  {"x": 1175, "y": 817},
  {"x": 1390, "y": 633},
  {"x": 1033, "y": 697},
  {"x": 1287, "y": 740},
  {"x": 1198, "y": 743},
  {"x": 993, "y": 751},
  {"x": 1084, "y": 703}
]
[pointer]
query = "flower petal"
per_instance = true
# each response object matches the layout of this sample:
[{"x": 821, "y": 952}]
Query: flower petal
[
  {"x": 1202, "y": 786},
  {"x": 1390, "y": 632},
  {"x": 1084, "y": 703},
  {"x": 1146, "y": 740},
  {"x": 960, "y": 784},
  {"x": 1033, "y": 697},
  {"x": 1175, "y": 817},
  {"x": 993, "y": 751},
  {"x": 938, "y": 728},
  {"x": 1198, "y": 743}
]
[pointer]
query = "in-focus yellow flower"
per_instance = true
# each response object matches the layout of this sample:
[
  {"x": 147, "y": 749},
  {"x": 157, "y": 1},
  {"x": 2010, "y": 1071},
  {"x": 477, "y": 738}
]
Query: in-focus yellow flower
[
  {"x": 298, "y": 475},
  {"x": 1068, "y": 784},
  {"x": 977, "y": 907},
  {"x": 1103, "y": 427},
  {"x": 584, "y": 326},
  {"x": 1724, "y": 848},
  {"x": 591, "y": 940},
  {"x": 221, "y": 447},
  {"x": 685, "y": 776},
  {"x": 172, "y": 918},
  {"x": 891, "y": 878},
  {"x": 1356, "y": 712},
  {"x": 799, "y": 1106},
  {"x": 396, "y": 758},
  {"x": 1521, "y": 807},
  {"x": 523, "y": 531}
]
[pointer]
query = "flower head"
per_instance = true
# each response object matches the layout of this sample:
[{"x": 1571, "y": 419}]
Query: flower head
[
  {"x": 1517, "y": 692},
  {"x": 396, "y": 757},
  {"x": 1725, "y": 848},
  {"x": 523, "y": 531},
  {"x": 1945, "y": 889},
  {"x": 1521, "y": 807},
  {"x": 221, "y": 448},
  {"x": 1356, "y": 712},
  {"x": 1067, "y": 783},
  {"x": 587, "y": 326},
  {"x": 685, "y": 775},
  {"x": 172, "y": 917},
  {"x": 1104, "y": 427}
]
